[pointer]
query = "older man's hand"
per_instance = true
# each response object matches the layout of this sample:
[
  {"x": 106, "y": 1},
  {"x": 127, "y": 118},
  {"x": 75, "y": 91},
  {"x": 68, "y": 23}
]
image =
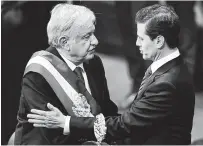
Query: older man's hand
[{"x": 49, "y": 119}]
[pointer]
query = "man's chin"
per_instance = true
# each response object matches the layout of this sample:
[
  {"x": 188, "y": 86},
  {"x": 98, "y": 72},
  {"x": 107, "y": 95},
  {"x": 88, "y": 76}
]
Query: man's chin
[
  {"x": 90, "y": 56},
  {"x": 145, "y": 57}
]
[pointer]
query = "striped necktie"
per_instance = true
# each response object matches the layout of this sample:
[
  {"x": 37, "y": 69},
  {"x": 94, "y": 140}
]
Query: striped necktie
[
  {"x": 148, "y": 73},
  {"x": 78, "y": 71}
]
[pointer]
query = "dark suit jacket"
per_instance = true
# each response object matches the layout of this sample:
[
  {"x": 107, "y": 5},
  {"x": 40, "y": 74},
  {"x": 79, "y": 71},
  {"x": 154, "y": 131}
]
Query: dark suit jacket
[
  {"x": 36, "y": 93},
  {"x": 162, "y": 112}
]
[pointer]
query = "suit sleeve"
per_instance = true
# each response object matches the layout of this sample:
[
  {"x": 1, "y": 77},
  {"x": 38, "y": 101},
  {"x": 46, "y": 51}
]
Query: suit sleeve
[
  {"x": 153, "y": 108},
  {"x": 36, "y": 93}
]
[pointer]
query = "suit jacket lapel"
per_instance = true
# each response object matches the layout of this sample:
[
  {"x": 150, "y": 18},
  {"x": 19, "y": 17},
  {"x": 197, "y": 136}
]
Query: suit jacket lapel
[
  {"x": 92, "y": 82},
  {"x": 90, "y": 78},
  {"x": 159, "y": 72}
]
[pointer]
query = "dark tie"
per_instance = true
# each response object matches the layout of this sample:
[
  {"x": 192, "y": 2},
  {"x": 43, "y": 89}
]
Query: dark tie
[
  {"x": 78, "y": 71},
  {"x": 148, "y": 73},
  {"x": 95, "y": 109}
]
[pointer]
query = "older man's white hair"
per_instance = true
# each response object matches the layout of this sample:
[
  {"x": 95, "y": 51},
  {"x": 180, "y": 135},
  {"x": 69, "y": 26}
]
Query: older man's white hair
[{"x": 65, "y": 20}]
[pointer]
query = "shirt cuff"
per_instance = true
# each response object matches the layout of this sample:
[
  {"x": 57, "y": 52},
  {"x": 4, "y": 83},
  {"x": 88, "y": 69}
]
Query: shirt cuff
[{"x": 66, "y": 129}]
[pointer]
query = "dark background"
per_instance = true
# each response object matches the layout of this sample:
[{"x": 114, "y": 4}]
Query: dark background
[{"x": 23, "y": 31}]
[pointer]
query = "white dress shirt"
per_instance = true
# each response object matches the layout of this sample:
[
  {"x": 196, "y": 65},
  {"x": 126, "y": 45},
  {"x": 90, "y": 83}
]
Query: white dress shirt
[
  {"x": 157, "y": 64},
  {"x": 72, "y": 66}
]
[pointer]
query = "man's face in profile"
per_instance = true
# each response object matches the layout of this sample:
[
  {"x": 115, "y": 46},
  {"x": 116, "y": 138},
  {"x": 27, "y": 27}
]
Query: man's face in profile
[
  {"x": 146, "y": 46},
  {"x": 83, "y": 46}
]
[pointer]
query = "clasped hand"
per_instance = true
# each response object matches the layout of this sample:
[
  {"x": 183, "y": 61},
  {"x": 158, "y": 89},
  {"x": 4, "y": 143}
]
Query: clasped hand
[
  {"x": 55, "y": 118},
  {"x": 49, "y": 119}
]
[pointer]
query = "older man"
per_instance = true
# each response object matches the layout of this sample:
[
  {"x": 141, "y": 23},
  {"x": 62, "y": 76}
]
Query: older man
[
  {"x": 162, "y": 111},
  {"x": 59, "y": 73}
]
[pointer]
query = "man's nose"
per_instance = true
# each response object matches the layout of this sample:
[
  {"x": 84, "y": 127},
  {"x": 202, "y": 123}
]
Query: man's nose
[
  {"x": 137, "y": 42},
  {"x": 94, "y": 40}
]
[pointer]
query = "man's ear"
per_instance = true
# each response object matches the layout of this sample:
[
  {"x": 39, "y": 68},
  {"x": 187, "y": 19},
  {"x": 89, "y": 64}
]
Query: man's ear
[
  {"x": 160, "y": 40},
  {"x": 63, "y": 40}
]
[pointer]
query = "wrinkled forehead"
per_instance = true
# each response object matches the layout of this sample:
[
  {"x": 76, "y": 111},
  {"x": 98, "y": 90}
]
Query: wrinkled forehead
[{"x": 83, "y": 25}]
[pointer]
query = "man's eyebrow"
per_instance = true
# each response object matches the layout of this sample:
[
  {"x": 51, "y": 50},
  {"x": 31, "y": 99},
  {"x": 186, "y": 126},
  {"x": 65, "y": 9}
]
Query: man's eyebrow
[
  {"x": 87, "y": 34},
  {"x": 139, "y": 36}
]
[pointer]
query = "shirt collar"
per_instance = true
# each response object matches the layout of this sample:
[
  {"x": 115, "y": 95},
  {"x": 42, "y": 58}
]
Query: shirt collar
[
  {"x": 157, "y": 64},
  {"x": 70, "y": 64}
]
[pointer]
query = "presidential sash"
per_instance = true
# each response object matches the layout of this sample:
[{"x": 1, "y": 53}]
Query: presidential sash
[{"x": 62, "y": 80}]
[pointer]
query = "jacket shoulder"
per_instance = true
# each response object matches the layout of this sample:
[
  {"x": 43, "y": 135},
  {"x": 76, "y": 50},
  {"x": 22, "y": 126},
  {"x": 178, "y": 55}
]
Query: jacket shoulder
[
  {"x": 37, "y": 82},
  {"x": 35, "y": 78},
  {"x": 178, "y": 74}
]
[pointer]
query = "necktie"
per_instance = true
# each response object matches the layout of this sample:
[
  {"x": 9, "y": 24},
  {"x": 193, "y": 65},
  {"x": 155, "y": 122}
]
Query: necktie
[
  {"x": 146, "y": 76},
  {"x": 78, "y": 71},
  {"x": 82, "y": 89}
]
